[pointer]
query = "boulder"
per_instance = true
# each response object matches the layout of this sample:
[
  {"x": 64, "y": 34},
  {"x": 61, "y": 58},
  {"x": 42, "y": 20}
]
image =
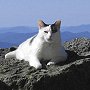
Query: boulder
[{"x": 73, "y": 74}]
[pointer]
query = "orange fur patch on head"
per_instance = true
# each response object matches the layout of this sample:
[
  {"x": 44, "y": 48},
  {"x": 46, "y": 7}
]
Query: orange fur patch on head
[{"x": 41, "y": 24}]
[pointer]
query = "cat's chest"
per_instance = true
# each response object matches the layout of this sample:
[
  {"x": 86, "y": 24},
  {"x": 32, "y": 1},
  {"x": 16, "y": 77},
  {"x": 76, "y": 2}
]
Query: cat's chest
[
  {"x": 48, "y": 52},
  {"x": 43, "y": 50}
]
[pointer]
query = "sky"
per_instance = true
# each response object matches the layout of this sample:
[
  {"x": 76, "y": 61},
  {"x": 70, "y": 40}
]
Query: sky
[{"x": 28, "y": 12}]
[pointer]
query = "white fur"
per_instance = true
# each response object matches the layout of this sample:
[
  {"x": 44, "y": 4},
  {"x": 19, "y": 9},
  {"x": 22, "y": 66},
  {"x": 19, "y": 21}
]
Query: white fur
[{"x": 45, "y": 46}]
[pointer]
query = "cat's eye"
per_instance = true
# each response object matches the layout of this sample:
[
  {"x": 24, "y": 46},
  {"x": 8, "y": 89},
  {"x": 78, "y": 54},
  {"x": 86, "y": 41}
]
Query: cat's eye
[
  {"x": 46, "y": 31},
  {"x": 54, "y": 30}
]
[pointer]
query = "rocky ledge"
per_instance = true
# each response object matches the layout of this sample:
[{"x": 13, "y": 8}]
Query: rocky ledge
[{"x": 74, "y": 74}]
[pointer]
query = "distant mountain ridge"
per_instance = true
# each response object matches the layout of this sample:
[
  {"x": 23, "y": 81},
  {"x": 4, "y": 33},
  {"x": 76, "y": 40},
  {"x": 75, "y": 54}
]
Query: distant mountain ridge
[
  {"x": 12, "y": 39},
  {"x": 19, "y": 29},
  {"x": 26, "y": 29},
  {"x": 13, "y": 36},
  {"x": 76, "y": 29},
  {"x": 67, "y": 36},
  {"x": 16, "y": 38},
  {"x": 6, "y": 45}
]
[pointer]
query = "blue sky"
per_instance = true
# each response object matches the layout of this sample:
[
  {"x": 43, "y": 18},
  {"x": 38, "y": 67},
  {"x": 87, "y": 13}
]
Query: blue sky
[{"x": 27, "y": 12}]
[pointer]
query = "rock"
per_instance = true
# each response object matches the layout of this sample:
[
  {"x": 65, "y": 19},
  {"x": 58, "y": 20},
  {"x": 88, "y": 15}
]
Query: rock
[
  {"x": 78, "y": 45},
  {"x": 3, "y": 86},
  {"x": 74, "y": 74},
  {"x": 13, "y": 48}
]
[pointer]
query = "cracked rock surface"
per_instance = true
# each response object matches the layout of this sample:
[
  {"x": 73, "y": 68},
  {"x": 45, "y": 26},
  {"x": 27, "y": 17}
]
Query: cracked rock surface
[{"x": 73, "y": 74}]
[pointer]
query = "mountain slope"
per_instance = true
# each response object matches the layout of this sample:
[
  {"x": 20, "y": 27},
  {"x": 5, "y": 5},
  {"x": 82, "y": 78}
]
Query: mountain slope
[
  {"x": 19, "y": 29},
  {"x": 6, "y": 45},
  {"x": 76, "y": 29},
  {"x": 26, "y": 29},
  {"x": 15, "y": 38},
  {"x": 16, "y": 35},
  {"x": 67, "y": 36}
]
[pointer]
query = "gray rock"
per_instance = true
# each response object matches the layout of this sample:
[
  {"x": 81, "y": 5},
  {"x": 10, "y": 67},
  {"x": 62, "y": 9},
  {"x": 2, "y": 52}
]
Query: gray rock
[
  {"x": 78, "y": 45},
  {"x": 13, "y": 48},
  {"x": 74, "y": 74}
]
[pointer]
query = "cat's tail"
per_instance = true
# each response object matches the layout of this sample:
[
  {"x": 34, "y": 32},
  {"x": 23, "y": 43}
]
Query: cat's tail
[{"x": 11, "y": 54}]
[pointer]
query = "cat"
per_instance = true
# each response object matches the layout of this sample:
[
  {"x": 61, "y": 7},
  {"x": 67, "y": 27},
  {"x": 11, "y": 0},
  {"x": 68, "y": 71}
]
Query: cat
[{"x": 45, "y": 45}]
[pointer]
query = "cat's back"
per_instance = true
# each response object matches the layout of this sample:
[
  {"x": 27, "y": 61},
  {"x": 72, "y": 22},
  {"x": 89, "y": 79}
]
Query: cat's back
[{"x": 26, "y": 44}]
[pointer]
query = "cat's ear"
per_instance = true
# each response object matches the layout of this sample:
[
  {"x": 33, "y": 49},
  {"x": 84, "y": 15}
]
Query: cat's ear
[
  {"x": 41, "y": 24},
  {"x": 57, "y": 24}
]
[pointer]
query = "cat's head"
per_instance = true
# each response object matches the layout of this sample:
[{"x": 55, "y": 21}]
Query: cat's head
[{"x": 49, "y": 32}]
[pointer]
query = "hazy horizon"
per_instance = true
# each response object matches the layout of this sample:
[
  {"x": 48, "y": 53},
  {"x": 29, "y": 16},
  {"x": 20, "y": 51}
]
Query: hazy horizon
[
  {"x": 27, "y": 12},
  {"x": 27, "y": 26}
]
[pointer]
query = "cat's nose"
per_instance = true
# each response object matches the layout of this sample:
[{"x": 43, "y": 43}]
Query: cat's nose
[{"x": 50, "y": 37}]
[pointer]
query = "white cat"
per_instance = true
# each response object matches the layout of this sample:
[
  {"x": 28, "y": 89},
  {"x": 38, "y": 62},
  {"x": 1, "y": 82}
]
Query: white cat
[{"x": 45, "y": 45}]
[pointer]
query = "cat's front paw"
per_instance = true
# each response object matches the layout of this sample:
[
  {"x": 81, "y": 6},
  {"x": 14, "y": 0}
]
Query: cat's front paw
[
  {"x": 37, "y": 66},
  {"x": 51, "y": 63}
]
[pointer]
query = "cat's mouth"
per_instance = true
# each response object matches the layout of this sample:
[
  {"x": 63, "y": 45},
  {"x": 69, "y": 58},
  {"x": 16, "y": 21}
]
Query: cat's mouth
[{"x": 49, "y": 40}]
